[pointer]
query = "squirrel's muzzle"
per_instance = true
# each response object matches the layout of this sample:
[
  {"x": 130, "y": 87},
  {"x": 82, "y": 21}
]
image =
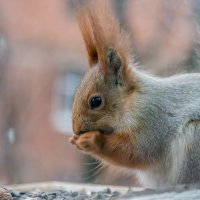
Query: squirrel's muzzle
[
  {"x": 104, "y": 130},
  {"x": 87, "y": 126}
]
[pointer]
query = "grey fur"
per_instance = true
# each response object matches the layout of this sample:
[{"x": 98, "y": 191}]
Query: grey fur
[{"x": 169, "y": 111}]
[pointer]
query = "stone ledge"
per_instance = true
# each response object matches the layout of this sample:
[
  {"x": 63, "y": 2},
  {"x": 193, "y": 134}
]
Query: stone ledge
[{"x": 76, "y": 191}]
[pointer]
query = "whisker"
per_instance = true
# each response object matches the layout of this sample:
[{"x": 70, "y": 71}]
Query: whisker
[
  {"x": 93, "y": 169},
  {"x": 94, "y": 174},
  {"x": 91, "y": 163}
]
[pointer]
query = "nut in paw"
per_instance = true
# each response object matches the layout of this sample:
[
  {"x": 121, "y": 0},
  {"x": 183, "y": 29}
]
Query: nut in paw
[{"x": 88, "y": 142}]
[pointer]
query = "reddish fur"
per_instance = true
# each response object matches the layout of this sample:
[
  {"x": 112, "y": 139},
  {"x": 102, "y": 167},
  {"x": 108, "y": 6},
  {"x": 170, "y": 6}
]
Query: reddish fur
[
  {"x": 97, "y": 25},
  {"x": 110, "y": 148},
  {"x": 101, "y": 31}
]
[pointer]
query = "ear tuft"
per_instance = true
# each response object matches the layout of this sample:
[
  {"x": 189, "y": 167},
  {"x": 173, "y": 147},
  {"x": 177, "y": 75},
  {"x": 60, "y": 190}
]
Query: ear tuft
[
  {"x": 88, "y": 35},
  {"x": 105, "y": 41}
]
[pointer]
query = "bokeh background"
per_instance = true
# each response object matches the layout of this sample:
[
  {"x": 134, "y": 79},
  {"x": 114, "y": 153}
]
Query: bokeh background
[{"x": 42, "y": 60}]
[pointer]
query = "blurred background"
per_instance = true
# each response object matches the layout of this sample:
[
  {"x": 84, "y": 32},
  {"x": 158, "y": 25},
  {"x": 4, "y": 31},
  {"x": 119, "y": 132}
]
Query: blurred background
[{"x": 42, "y": 60}]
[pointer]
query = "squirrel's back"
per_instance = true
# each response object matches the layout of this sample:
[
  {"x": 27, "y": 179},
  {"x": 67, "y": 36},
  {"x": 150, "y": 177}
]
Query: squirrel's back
[{"x": 171, "y": 109}]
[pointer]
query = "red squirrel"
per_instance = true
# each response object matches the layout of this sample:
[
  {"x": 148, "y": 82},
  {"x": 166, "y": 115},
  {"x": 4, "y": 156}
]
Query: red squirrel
[{"x": 128, "y": 118}]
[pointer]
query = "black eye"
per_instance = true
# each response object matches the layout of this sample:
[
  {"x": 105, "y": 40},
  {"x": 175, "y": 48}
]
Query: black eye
[{"x": 95, "y": 102}]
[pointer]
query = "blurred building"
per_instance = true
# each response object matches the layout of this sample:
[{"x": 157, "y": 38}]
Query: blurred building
[{"x": 42, "y": 61}]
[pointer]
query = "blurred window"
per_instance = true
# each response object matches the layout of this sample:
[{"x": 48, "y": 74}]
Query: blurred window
[
  {"x": 2, "y": 46},
  {"x": 65, "y": 89}
]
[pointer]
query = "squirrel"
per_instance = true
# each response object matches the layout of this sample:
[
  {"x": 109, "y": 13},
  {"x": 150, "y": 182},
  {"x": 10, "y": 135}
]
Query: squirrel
[{"x": 128, "y": 118}]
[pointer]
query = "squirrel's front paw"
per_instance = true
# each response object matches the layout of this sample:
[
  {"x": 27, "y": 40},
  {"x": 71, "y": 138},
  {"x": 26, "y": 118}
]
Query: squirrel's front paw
[{"x": 88, "y": 142}]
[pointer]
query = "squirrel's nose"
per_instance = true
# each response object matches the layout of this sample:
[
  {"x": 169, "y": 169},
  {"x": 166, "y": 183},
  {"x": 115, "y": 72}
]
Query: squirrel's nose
[
  {"x": 86, "y": 127},
  {"x": 76, "y": 127},
  {"x": 82, "y": 128}
]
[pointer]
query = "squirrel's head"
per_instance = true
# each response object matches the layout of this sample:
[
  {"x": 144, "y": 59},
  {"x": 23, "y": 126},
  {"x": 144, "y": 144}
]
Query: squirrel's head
[{"x": 100, "y": 99}]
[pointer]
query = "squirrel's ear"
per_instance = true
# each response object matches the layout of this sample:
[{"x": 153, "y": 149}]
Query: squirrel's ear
[{"x": 115, "y": 65}]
